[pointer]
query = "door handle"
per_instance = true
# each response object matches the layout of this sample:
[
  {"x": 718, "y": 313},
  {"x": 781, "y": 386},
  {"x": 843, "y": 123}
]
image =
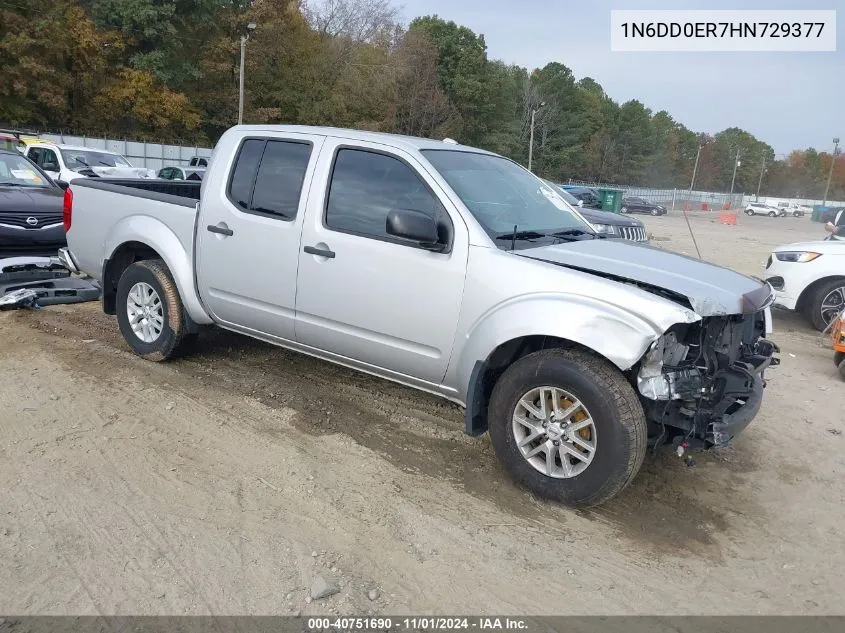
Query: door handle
[
  {"x": 219, "y": 229},
  {"x": 322, "y": 252}
]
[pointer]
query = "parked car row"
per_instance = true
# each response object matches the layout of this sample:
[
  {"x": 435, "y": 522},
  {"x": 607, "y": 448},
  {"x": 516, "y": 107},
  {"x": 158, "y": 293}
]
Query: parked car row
[{"x": 780, "y": 210}]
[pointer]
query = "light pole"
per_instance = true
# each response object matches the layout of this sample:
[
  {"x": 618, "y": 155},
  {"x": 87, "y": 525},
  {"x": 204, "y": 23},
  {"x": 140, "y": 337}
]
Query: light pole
[
  {"x": 830, "y": 173},
  {"x": 736, "y": 164},
  {"x": 249, "y": 29},
  {"x": 531, "y": 141},
  {"x": 701, "y": 140}
]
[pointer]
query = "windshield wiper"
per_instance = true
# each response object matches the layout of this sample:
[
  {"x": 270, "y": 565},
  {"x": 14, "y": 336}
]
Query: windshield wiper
[
  {"x": 521, "y": 235},
  {"x": 572, "y": 233}
]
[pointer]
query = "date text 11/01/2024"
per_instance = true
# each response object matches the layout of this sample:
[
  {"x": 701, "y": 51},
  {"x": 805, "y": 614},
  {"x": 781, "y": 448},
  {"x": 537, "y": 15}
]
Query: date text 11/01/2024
[{"x": 337, "y": 624}]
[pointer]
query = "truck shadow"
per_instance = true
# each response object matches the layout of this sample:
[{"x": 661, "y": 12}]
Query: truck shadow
[{"x": 668, "y": 506}]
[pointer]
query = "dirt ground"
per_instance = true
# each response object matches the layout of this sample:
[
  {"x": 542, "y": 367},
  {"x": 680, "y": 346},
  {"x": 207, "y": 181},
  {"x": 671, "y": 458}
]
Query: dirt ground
[{"x": 227, "y": 482}]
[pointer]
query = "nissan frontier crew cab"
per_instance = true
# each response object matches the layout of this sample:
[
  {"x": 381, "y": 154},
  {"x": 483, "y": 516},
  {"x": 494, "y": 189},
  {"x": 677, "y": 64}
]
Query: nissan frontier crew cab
[{"x": 445, "y": 268}]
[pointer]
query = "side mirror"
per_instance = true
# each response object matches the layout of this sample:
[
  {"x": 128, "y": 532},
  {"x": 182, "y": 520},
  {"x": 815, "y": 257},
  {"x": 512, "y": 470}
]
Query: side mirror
[
  {"x": 414, "y": 226},
  {"x": 63, "y": 185}
]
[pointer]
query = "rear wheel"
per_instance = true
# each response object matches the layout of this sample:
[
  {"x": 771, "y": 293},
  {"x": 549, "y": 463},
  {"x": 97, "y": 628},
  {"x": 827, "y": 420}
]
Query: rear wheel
[
  {"x": 838, "y": 357},
  {"x": 624, "y": 209},
  {"x": 150, "y": 312},
  {"x": 655, "y": 211},
  {"x": 773, "y": 214},
  {"x": 749, "y": 212},
  {"x": 568, "y": 426}
]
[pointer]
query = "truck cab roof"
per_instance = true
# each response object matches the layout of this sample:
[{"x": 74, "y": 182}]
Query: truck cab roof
[{"x": 393, "y": 140}]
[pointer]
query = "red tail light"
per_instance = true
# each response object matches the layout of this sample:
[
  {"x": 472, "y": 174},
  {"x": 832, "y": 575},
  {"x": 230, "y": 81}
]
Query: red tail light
[{"x": 67, "y": 209}]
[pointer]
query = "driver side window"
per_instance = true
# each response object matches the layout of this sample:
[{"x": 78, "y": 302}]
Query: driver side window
[{"x": 366, "y": 185}]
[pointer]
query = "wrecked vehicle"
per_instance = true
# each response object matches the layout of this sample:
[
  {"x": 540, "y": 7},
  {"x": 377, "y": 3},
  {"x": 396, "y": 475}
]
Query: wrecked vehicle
[
  {"x": 445, "y": 268},
  {"x": 28, "y": 282}
]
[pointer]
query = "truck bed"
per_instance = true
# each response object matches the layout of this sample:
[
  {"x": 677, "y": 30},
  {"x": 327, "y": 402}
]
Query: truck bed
[{"x": 108, "y": 212}]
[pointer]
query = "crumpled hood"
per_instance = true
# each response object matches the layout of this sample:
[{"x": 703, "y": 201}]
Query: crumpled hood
[
  {"x": 711, "y": 290},
  {"x": 124, "y": 172}
]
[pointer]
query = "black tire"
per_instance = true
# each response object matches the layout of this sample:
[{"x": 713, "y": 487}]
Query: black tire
[
  {"x": 842, "y": 370},
  {"x": 749, "y": 212},
  {"x": 620, "y": 423},
  {"x": 773, "y": 214},
  {"x": 173, "y": 341},
  {"x": 655, "y": 212},
  {"x": 814, "y": 305},
  {"x": 838, "y": 357}
]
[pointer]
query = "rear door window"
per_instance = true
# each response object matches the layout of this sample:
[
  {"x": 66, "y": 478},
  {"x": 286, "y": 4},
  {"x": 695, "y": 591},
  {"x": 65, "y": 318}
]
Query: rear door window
[{"x": 268, "y": 175}]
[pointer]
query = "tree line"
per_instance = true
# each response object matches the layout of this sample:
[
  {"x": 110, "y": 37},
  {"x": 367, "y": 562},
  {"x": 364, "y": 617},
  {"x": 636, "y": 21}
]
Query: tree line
[{"x": 167, "y": 70}]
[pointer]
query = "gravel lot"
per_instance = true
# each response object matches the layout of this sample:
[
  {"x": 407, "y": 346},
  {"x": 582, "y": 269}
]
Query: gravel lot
[{"x": 226, "y": 483}]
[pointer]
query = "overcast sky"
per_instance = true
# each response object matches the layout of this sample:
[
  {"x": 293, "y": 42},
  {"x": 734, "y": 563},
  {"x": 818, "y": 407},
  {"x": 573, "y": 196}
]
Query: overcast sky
[{"x": 789, "y": 100}]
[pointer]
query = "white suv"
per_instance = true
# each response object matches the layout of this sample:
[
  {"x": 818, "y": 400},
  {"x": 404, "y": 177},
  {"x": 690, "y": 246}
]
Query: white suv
[
  {"x": 809, "y": 277},
  {"x": 761, "y": 208}
]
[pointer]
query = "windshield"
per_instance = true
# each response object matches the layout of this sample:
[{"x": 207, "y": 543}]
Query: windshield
[
  {"x": 502, "y": 195},
  {"x": 17, "y": 171},
  {"x": 81, "y": 158},
  {"x": 563, "y": 193}
]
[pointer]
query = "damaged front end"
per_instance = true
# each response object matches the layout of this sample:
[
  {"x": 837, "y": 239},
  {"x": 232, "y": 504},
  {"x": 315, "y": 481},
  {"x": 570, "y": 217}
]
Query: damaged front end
[{"x": 702, "y": 383}]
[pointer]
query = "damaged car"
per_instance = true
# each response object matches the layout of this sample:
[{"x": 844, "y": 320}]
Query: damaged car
[{"x": 448, "y": 269}]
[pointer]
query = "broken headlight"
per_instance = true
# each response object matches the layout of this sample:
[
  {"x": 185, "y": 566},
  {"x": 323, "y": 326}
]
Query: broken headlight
[{"x": 660, "y": 376}]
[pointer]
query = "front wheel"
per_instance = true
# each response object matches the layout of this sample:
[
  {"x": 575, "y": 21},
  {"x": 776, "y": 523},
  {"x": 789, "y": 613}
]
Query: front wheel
[
  {"x": 150, "y": 313},
  {"x": 568, "y": 426},
  {"x": 655, "y": 212},
  {"x": 624, "y": 209},
  {"x": 749, "y": 212},
  {"x": 772, "y": 214}
]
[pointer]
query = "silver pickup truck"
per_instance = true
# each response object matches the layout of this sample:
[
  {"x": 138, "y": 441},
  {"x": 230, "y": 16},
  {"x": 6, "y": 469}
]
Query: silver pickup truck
[{"x": 445, "y": 268}]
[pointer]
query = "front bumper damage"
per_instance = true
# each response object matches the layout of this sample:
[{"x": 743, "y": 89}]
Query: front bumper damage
[{"x": 703, "y": 383}]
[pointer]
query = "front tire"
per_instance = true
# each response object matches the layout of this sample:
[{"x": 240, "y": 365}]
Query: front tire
[
  {"x": 772, "y": 214},
  {"x": 655, "y": 212},
  {"x": 568, "y": 426},
  {"x": 826, "y": 302},
  {"x": 624, "y": 209},
  {"x": 150, "y": 312},
  {"x": 749, "y": 212}
]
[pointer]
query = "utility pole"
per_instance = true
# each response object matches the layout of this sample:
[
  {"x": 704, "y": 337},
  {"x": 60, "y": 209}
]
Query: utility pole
[
  {"x": 736, "y": 164},
  {"x": 701, "y": 139},
  {"x": 830, "y": 173},
  {"x": 531, "y": 141},
  {"x": 760, "y": 182},
  {"x": 249, "y": 29}
]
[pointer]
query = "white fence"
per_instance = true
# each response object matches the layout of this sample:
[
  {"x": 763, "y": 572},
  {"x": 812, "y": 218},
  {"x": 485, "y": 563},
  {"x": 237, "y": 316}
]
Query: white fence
[
  {"x": 140, "y": 154},
  {"x": 695, "y": 199}
]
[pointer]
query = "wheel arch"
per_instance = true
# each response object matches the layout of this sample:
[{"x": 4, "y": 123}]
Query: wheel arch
[
  {"x": 507, "y": 335},
  {"x": 137, "y": 238}
]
